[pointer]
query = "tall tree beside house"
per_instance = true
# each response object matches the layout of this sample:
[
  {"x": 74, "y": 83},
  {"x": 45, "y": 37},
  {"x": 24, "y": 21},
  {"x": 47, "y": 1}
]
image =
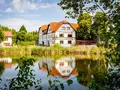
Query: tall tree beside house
[
  {"x": 1, "y": 36},
  {"x": 20, "y": 37},
  {"x": 100, "y": 26},
  {"x": 23, "y": 29},
  {"x": 84, "y": 30}
]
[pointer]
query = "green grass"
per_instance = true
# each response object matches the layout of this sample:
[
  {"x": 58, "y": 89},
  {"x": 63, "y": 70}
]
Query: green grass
[{"x": 50, "y": 51}]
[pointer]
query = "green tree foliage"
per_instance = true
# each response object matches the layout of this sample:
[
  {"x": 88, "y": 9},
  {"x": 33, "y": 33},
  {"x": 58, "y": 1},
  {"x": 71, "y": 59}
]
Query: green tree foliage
[
  {"x": 100, "y": 26},
  {"x": 112, "y": 8},
  {"x": 4, "y": 28},
  {"x": 14, "y": 34},
  {"x": 1, "y": 36},
  {"x": 20, "y": 36},
  {"x": 74, "y": 7},
  {"x": 1, "y": 68},
  {"x": 23, "y": 29},
  {"x": 84, "y": 30}
]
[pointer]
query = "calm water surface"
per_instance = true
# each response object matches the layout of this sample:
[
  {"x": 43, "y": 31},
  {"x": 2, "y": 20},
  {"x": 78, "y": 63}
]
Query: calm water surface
[{"x": 61, "y": 68}]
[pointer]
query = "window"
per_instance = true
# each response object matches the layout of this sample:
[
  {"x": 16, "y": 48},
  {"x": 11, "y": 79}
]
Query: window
[
  {"x": 63, "y": 28},
  {"x": 63, "y": 71},
  {"x": 61, "y": 63},
  {"x": 69, "y": 35},
  {"x": 68, "y": 28},
  {"x": 61, "y": 35},
  {"x": 69, "y": 42},
  {"x": 68, "y": 71},
  {"x": 61, "y": 42}
]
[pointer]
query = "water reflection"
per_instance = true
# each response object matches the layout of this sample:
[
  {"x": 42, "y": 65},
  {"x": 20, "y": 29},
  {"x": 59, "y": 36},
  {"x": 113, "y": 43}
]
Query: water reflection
[
  {"x": 63, "y": 67},
  {"x": 5, "y": 63},
  {"x": 67, "y": 68}
]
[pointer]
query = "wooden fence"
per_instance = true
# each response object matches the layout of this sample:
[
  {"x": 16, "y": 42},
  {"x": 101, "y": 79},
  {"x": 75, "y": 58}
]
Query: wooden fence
[{"x": 85, "y": 42}]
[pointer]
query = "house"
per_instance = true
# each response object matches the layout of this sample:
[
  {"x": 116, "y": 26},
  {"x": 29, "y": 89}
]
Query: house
[
  {"x": 63, "y": 33},
  {"x": 8, "y": 39},
  {"x": 64, "y": 66},
  {"x": 7, "y": 62}
]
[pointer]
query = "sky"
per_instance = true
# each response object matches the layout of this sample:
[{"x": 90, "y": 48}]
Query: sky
[{"x": 31, "y": 13}]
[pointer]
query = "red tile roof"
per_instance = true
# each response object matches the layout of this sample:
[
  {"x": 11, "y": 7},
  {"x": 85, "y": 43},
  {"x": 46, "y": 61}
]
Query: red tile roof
[
  {"x": 54, "y": 72},
  {"x": 56, "y": 25},
  {"x": 44, "y": 27},
  {"x": 8, "y": 34}
]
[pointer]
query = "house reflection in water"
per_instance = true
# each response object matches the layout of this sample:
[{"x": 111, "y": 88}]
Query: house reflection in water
[
  {"x": 62, "y": 67},
  {"x": 65, "y": 65},
  {"x": 7, "y": 62}
]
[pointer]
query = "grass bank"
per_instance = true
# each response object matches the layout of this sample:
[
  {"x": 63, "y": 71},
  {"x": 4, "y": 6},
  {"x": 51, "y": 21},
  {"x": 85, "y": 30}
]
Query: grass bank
[{"x": 45, "y": 51}]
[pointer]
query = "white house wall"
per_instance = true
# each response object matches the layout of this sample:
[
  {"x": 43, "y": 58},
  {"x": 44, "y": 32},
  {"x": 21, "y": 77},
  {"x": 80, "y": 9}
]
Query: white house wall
[{"x": 65, "y": 32}]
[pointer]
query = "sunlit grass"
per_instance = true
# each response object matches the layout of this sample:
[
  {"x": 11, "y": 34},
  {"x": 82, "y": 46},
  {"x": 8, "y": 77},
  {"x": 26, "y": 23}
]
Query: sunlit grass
[{"x": 50, "y": 51}]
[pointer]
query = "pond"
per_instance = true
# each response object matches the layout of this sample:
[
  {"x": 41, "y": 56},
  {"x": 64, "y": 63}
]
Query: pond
[{"x": 64, "y": 72}]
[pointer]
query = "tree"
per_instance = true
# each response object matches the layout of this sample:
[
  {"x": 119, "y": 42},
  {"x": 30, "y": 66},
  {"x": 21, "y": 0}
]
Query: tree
[
  {"x": 29, "y": 37},
  {"x": 112, "y": 8},
  {"x": 14, "y": 34},
  {"x": 1, "y": 68},
  {"x": 20, "y": 36},
  {"x": 23, "y": 29},
  {"x": 1, "y": 36},
  {"x": 84, "y": 30},
  {"x": 100, "y": 26}
]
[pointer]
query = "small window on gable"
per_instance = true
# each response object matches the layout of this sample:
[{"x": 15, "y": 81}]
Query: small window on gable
[
  {"x": 61, "y": 35},
  {"x": 61, "y": 42},
  {"x": 69, "y": 35},
  {"x": 63, "y": 28},
  {"x": 68, "y": 28}
]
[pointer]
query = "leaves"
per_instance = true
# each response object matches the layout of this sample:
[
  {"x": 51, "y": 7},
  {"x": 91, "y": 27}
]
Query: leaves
[
  {"x": 50, "y": 82},
  {"x": 62, "y": 86},
  {"x": 23, "y": 29},
  {"x": 69, "y": 82},
  {"x": 1, "y": 36}
]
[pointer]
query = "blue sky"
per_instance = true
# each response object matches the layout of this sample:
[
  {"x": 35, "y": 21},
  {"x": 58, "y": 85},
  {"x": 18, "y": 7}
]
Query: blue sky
[{"x": 31, "y": 13}]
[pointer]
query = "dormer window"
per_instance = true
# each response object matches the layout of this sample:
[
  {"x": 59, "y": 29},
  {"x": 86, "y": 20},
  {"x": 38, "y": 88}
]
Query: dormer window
[
  {"x": 68, "y": 28},
  {"x": 63, "y": 28}
]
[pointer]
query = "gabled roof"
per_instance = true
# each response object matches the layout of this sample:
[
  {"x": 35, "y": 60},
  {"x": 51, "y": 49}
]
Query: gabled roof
[
  {"x": 8, "y": 34},
  {"x": 44, "y": 27},
  {"x": 56, "y": 25},
  {"x": 54, "y": 72}
]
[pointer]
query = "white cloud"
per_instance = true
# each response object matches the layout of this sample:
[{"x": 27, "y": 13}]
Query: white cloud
[
  {"x": 9, "y": 10},
  {"x": 31, "y": 25},
  {"x": 22, "y": 5},
  {"x": 17, "y": 5}
]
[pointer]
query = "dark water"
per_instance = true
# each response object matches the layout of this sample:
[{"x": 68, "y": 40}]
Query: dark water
[{"x": 63, "y": 68}]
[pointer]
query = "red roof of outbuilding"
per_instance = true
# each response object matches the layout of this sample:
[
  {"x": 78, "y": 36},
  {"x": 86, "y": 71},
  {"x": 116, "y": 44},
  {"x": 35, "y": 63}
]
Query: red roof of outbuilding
[{"x": 8, "y": 34}]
